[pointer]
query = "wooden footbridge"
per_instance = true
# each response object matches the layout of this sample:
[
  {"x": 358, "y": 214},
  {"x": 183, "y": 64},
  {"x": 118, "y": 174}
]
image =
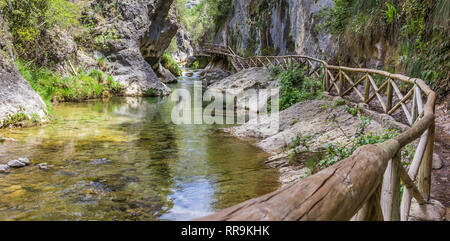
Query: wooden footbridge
[{"x": 367, "y": 185}]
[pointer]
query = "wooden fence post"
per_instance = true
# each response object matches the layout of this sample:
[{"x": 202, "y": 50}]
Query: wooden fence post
[
  {"x": 341, "y": 83},
  {"x": 325, "y": 85},
  {"x": 424, "y": 179},
  {"x": 367, "y": 90},
  {"x": 390, "y": 193},
  {"x": 373, "y": 210},
  {"x": 389, "y": 93}
]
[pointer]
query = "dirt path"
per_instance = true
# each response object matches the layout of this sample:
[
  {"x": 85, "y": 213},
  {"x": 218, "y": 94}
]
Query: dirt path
[{"x": 440, "y": 187}]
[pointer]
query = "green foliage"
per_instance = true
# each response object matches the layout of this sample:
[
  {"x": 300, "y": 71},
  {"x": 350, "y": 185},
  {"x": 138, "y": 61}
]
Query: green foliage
[
  {"x": 102, "y": 64},
  {"x": 14, "y": 120},
  {"x": 101, "y": 40},
  {"x": 390, "y": 13},
  {"x": 28, "y": 20},
  {"x": 203, "y": 18},
  {"x": 275, "y": 71},
  {"x": 336, "y": 152},
  {"x": 151, "y": 93},
  {"x": 195, "y": 65},
  {"x": 418, "y": 29},
  {"x": 295, "y": 86},
  {"x": 339, "y": 102},
  {"x": 170, "y": 64},
  {"x": 53, "y": 87},
  {"x": 354, "y": 111},
  {"x": 337, "y": 18}
]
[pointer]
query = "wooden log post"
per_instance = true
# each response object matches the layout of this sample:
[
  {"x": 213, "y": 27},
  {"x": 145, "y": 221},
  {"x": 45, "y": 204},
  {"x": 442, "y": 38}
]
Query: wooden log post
[
  {"x": 414, "y": 107},
  {"x": 389, "y": 95},
  {"x": 325, "y": 84},
  {"x": 424, "y": 178},
  {"x": 362, "y": 213},
  {"x": 341, "y": 84},
  {"x": 390, "y": 193},
  {"x": 374, "y": 211},
  {"x": 367, "y": 89},
  {"x": 413, "y": 170}
]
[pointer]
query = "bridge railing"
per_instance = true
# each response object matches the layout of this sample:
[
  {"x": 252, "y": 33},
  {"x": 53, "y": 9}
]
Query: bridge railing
[{"x": 365, "y": 186}]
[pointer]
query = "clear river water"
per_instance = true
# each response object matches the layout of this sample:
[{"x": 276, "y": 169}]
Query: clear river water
[{"x": 124, "y": 159}]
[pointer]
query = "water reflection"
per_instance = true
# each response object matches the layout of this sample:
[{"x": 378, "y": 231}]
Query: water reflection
[{"x": 125, "y": 160}]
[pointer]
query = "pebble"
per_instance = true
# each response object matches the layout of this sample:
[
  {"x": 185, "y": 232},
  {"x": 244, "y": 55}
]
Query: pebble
[
  {"x": 43, "y": 166},
  {"x": 16, "y": 164},
  {"x": 99, "y": 161},
  {"x": 4, "y": 169}
]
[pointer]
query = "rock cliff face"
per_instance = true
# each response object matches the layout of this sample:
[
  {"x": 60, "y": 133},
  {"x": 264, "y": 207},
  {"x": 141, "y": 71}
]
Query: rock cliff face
[
  {"x": 184, "y": 44},
  {"x": 143, "y": 31},
  {"x": 276, "y": 28},
  {"x": 16, "y": 94}
]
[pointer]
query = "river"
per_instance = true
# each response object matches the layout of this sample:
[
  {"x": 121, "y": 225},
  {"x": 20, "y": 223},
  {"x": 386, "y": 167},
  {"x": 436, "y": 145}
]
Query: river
[{"x": 123, "y": 159}]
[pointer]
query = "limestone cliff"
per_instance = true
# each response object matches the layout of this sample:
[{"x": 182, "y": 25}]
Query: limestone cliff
[
  {"x": 16, "y": 94},
  {"x": 276, "y": 28},
  {"x": 142, "y": 31}
]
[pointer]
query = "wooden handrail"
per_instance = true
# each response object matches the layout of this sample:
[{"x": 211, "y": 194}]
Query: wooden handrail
[{"x": 354, "y": 184}]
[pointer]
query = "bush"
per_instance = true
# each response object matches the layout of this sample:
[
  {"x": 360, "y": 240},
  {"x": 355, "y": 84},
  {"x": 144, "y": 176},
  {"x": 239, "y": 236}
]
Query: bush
[
  {"x": 295, "y": 86},
  {"x": 336, "y": 152},
  {"x": 29, "y": 20},
  {"x": 416, "y": 29},
  {"x": 54, "y": 87},
  {"x": 205, "y": 18},
  {"x": 170, "y": 64},
  {"x": 14, "y": 119}
]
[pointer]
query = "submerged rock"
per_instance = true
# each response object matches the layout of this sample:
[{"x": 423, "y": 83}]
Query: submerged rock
[
  {"x": 43, "y": 166},
  {"x": 25, "y": 161},
  {"x": 4, "y": 169},
  {"x": 16, "y": 164},
  {"x": 6, "y": 139},
  {"x": 99, "y": 161}
]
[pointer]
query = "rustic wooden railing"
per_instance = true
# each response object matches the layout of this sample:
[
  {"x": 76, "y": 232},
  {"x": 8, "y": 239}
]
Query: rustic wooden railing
[{"x": 365, "y": 186}]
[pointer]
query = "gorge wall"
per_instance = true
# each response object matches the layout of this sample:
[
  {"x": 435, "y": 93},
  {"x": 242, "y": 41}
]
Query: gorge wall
[{"x": 276, "y": 28}]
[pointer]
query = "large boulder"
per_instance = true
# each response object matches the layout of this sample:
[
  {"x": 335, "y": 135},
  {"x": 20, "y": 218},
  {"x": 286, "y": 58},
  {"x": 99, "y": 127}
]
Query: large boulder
[
  {"x": 142, "y": 32},
  {"x": 16, "y": 94},
  {"x": 166, "y": 76}
]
